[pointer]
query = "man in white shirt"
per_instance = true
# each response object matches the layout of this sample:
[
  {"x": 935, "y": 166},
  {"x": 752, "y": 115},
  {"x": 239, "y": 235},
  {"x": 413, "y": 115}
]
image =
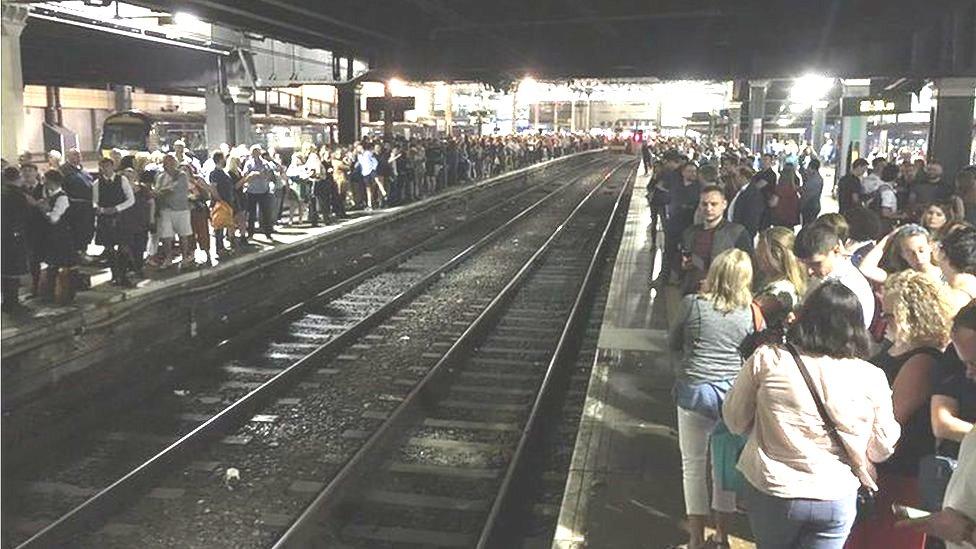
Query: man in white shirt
[{"x": 820, "y": 250}]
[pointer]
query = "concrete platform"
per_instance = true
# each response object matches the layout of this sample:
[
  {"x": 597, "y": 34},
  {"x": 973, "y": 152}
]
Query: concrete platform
[
  {"x": 624, "y": 486},
  {"x": 57, "y": 357}
]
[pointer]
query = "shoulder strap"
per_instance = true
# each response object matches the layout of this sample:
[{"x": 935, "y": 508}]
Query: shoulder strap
[{"x": 821, "y": 409}]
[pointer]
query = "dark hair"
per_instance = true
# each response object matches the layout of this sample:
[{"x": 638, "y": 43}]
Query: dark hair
[
  {"x": 859, "y": 163},
  {"x": 959, "y": 247},
  {"x": 11, "y": 173},
  {"x": 966, "y": 317},
  {"x": 54, "y": 175},
  {"x": 105, "y": 160},
  {"x": 708, "y": 171},
  {"x": 813, "y": 164},
  {"x": 814, "y": 239},
  {"x": 890, "y": 172},
  {"x": 217, "y": 156},
  {"x": 830, "y": 323},
  {"x": 864, "y": 224},
  {"x": 878, "y": 160}
]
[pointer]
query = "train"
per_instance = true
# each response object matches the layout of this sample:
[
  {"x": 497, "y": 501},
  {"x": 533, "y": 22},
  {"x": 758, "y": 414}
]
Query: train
[{"x": 134, "y": 131}]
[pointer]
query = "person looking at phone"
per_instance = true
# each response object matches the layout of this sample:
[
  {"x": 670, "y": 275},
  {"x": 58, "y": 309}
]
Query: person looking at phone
[{"x": 702, "y": 242}]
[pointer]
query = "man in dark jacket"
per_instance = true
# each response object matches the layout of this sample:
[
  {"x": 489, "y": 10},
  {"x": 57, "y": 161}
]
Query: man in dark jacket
[
  {"x": 749, "y": 207},
  {"x": 849, "y": 189},
  {"x": 81, "y": 214},
  {"x": 702, "y": 242},
  {"x": 14, "y": 218}
]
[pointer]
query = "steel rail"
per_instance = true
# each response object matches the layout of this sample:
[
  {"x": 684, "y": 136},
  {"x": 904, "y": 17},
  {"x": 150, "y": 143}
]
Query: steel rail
[
  {"x": 106, "y": 501},
  {"x": 369, "y": 456},
  {"x": 246, "y": 333},
  {"x": 556, "y": 373}
]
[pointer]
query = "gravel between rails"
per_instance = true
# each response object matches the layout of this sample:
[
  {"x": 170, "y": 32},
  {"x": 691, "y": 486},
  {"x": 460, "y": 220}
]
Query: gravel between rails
[
  {"x": 307, "y": 439},
  {"x": 56, "y": 484},
  {"x": 416, "y": 520}
]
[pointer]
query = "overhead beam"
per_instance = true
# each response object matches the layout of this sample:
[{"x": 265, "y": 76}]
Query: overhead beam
[
  {"x": 585, "y": 20},
  {"x": 247, "y": 14},
  {"x": 332, "y": 21}
]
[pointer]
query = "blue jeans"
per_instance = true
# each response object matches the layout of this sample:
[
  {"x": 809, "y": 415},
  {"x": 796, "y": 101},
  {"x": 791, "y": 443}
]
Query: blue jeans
[{"x": 779, "y": 523}]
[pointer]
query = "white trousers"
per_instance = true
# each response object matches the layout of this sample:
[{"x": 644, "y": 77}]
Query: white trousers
[{"x": 694, "y": 432}]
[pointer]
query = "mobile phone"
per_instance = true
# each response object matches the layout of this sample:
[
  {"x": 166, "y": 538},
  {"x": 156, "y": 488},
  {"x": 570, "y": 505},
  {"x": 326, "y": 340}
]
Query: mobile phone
[{"x": 903, "y": 512}]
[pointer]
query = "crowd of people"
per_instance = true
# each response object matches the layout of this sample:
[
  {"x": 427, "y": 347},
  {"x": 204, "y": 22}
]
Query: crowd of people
[
  {"x": 825, "y": 364},
  {"x": 156, "y": 210}
]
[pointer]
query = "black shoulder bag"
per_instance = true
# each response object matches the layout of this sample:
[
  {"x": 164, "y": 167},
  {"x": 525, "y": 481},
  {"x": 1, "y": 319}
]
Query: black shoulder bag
[{"x": 865, "y": 496}]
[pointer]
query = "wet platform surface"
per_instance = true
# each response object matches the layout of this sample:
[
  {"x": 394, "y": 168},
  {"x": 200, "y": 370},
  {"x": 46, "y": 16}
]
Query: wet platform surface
[{"x": 624, "y": 487}]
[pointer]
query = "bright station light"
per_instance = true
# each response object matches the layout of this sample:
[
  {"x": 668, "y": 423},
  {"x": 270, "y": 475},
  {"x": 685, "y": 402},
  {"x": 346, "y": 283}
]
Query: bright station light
[{"x": 810, "y": 88}]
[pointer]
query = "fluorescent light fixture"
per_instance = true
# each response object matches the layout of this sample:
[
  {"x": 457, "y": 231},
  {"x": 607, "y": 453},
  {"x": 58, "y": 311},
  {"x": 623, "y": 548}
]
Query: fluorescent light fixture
[{"x": 183, "y": 18}]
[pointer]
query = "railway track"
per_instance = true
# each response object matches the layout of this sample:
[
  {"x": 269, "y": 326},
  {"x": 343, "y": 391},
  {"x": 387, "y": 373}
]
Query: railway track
[
  {"x": 298, "y": 351},
  {"x": 447, "y": 467}
]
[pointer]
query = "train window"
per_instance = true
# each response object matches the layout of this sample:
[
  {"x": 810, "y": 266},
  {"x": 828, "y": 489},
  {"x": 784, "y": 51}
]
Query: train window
[{"x": 124, "y": 136}]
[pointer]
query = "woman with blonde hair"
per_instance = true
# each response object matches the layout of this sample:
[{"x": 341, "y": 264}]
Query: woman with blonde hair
[
  {"x": 918, "y": 327},
  {"x": 709, "y": 329},
  {"x": 784, "y": 280}
]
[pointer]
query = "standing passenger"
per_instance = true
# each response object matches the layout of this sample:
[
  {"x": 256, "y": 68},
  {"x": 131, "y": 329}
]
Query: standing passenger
[
  {"x": 918, "y": 327},
  {"x": 802, "y": 480},
  {"x": 708, "y": 331}
]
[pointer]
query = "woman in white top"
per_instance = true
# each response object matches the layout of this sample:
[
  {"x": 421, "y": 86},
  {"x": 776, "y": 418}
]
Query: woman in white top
[{"x": 802, "y": 487}]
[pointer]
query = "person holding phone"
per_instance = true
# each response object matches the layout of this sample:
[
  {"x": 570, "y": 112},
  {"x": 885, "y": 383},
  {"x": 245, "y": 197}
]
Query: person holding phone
[{"x": 956, "y": 522}]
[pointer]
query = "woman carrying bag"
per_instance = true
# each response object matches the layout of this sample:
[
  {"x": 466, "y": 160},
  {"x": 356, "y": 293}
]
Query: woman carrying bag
[
  {"x": 811, "y": 443},
  {"x": 709, "y": 330}
]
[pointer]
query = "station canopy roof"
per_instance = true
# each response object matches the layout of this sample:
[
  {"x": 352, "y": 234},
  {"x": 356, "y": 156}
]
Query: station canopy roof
[{"x": 505, "y": 40}]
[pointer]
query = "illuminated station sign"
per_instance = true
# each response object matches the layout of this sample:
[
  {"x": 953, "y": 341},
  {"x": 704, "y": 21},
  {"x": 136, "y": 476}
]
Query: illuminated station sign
[{"x": 885, "y": 104}]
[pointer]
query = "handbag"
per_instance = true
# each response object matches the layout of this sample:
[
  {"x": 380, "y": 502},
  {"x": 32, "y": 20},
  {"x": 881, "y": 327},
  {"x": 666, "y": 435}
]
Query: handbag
[
  {"x": 222, "y": 216},
  {"x": 866, "y": 497},
  {"x": 934, "y": 472},
  {"x": 726, "y": 449}
]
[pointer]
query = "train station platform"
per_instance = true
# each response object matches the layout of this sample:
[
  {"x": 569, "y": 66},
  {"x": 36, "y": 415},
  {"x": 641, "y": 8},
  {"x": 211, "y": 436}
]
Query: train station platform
[
  {"x": 54, "y": 358},
  {"x": 624, "y": 485}
]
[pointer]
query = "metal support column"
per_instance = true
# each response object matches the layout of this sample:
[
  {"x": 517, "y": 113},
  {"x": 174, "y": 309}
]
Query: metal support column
[
  {"x": 572, "y": 116},
  {"x": 449, "y": 110},
  {"x": 555, "y": 116},
  {"x": 735, "y": 120},
  {"x": 757, "y": 112},
  {"x": 122, "y": 96},
  {"x": 951, "y": 133},
  {"x": 387, "y": 111},
  {"x": 348, "y": 107},
  {"x": 819, "y": 125},
  {"x": 853, "y": 129}
]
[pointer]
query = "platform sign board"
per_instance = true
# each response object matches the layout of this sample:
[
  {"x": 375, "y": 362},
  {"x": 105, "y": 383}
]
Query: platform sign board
[
  {"x": 876, "y": 104},
  {"x": 398, "y": 105}
]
